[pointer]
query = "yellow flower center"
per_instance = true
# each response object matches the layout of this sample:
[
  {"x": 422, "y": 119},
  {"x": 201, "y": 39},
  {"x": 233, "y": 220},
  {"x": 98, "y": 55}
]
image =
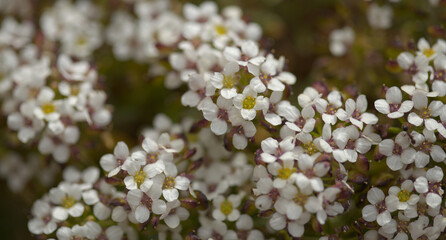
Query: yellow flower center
[
  {"x": 285, "y": 172},
  {"x": 426, "y": 112},
  {"x": 48, "y": 108},
  {"x": 68, "y": 202},
  {"x": 428, "y": 52},
  {"x": 228, "y": 81},
  {"x": 300, "y": 199},
  {"x": 226, "y": 207},
  {"x": 139, "y": 177},
  {"x": 169, "y": 183},
  {"x": 82, "y": 40},
  {"x": 403, "y": 195},
  {"x": 310, "y": 148},
  {"x": 75, "y": 90},
  {"x": 220, "y": 29},
  {"x": 249, "y": 102}
]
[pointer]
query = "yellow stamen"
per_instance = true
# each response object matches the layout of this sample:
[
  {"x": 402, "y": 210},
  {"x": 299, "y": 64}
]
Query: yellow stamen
[
  {"x": 249, "y": 102},
  {"x": 48, "y": 108},
  {"x": 68, "y": 202},
  {"x": 140, "y": 177},
  {"x": 226, "y": 207}
]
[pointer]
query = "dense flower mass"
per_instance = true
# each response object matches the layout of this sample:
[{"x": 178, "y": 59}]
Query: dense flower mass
[{"x": 257, "y": 162}]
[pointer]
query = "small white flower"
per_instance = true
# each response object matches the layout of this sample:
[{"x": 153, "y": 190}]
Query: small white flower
[
  {"x": 380, "y": 16},
  {"x": 425, "y": 146},
  {"x": 393, "y": 105},
  {"x": 68, "y": 197},
  {"x": 226, "y": 81},
  {"x": 112, "y": 163},
  {"x": 418, "y": 67},
  {"x": 340, "y": 40},
  {"x": 249, "y": 103},
  {"x": 378, "y": 210},
  {"x": 329, "y": 109},
  {"x": 439, "y": 75},
  {"x": 431, "y": 186},
  {"x": 424, "y": 112},
  {"x": 398, "y": 152},
  {"x": 404, "y": 195},
  {"x": 226, "y": 208},
  {"x": 273, "y": 150},
  {"x": 356, "y": 112},
  {"x": 142, "y": 204}
]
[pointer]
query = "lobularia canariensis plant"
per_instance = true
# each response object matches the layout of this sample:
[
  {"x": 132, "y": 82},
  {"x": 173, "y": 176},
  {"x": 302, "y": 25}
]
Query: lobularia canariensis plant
[{"x": 255, "y": 165}]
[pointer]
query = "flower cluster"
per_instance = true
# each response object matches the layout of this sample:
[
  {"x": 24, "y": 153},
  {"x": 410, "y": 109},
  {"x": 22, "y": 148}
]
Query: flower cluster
[{"x": 46, "y": 95}]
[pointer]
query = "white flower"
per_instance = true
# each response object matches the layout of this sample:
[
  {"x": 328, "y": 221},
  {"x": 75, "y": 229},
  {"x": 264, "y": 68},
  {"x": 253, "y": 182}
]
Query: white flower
[
  {"x": 297, "y": 121},
  {"x": 217, "y": 114},
  {"x": 398, "y": 152},
  {"x": 268, "y": 77},
  {"x": 75, "y": 71},
  {"x": 112, "y": 163},
  {"x": 226, "y": 208},
  {"x": 174, "y": 214},
  {"x": 66, "y": 233},
  {"x": 418, "y": 67},
  {"x": 340, "y": 40},
  {"x": 296, "y": 228},
  {"x": 46, "y": 107},
  {"x": 349, "y": 143},
  {"x": 424, "y": 144},
  {"x": 271, "y": 112},
  {"x": 282, "y": 172},
  {"x": 424, "y": 112},
  {"x": 249, "y": 103},
  {"x": 227, "y": 80},
  {"x": 380, "y": 17},
  {"x": 309, "y": 174},
  {"x": 139, "y": 177},
  {"x": 273, "y": 150},
  {"x": 329, "y": 109},
  {"x": 16, "y": 34},
  {"x": 439, "y": 75},
  {"x": 67, "y": 196},
  {"x": 356, "y": 112},
  {"x": 393, "y": 105},
  {"x": 404, "y": 195},
  {"x": 142, "y": 204},
  {"x": 379, "y": 210},
  {"x": 425, "y": 49},
  {"x": 248, "y": 56},
  {"x": 42, "y": 221},
  {"x": 215, "y": 229},
  {"x": 431, "y": 186},
  {"x": 171, "y": 183}
]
